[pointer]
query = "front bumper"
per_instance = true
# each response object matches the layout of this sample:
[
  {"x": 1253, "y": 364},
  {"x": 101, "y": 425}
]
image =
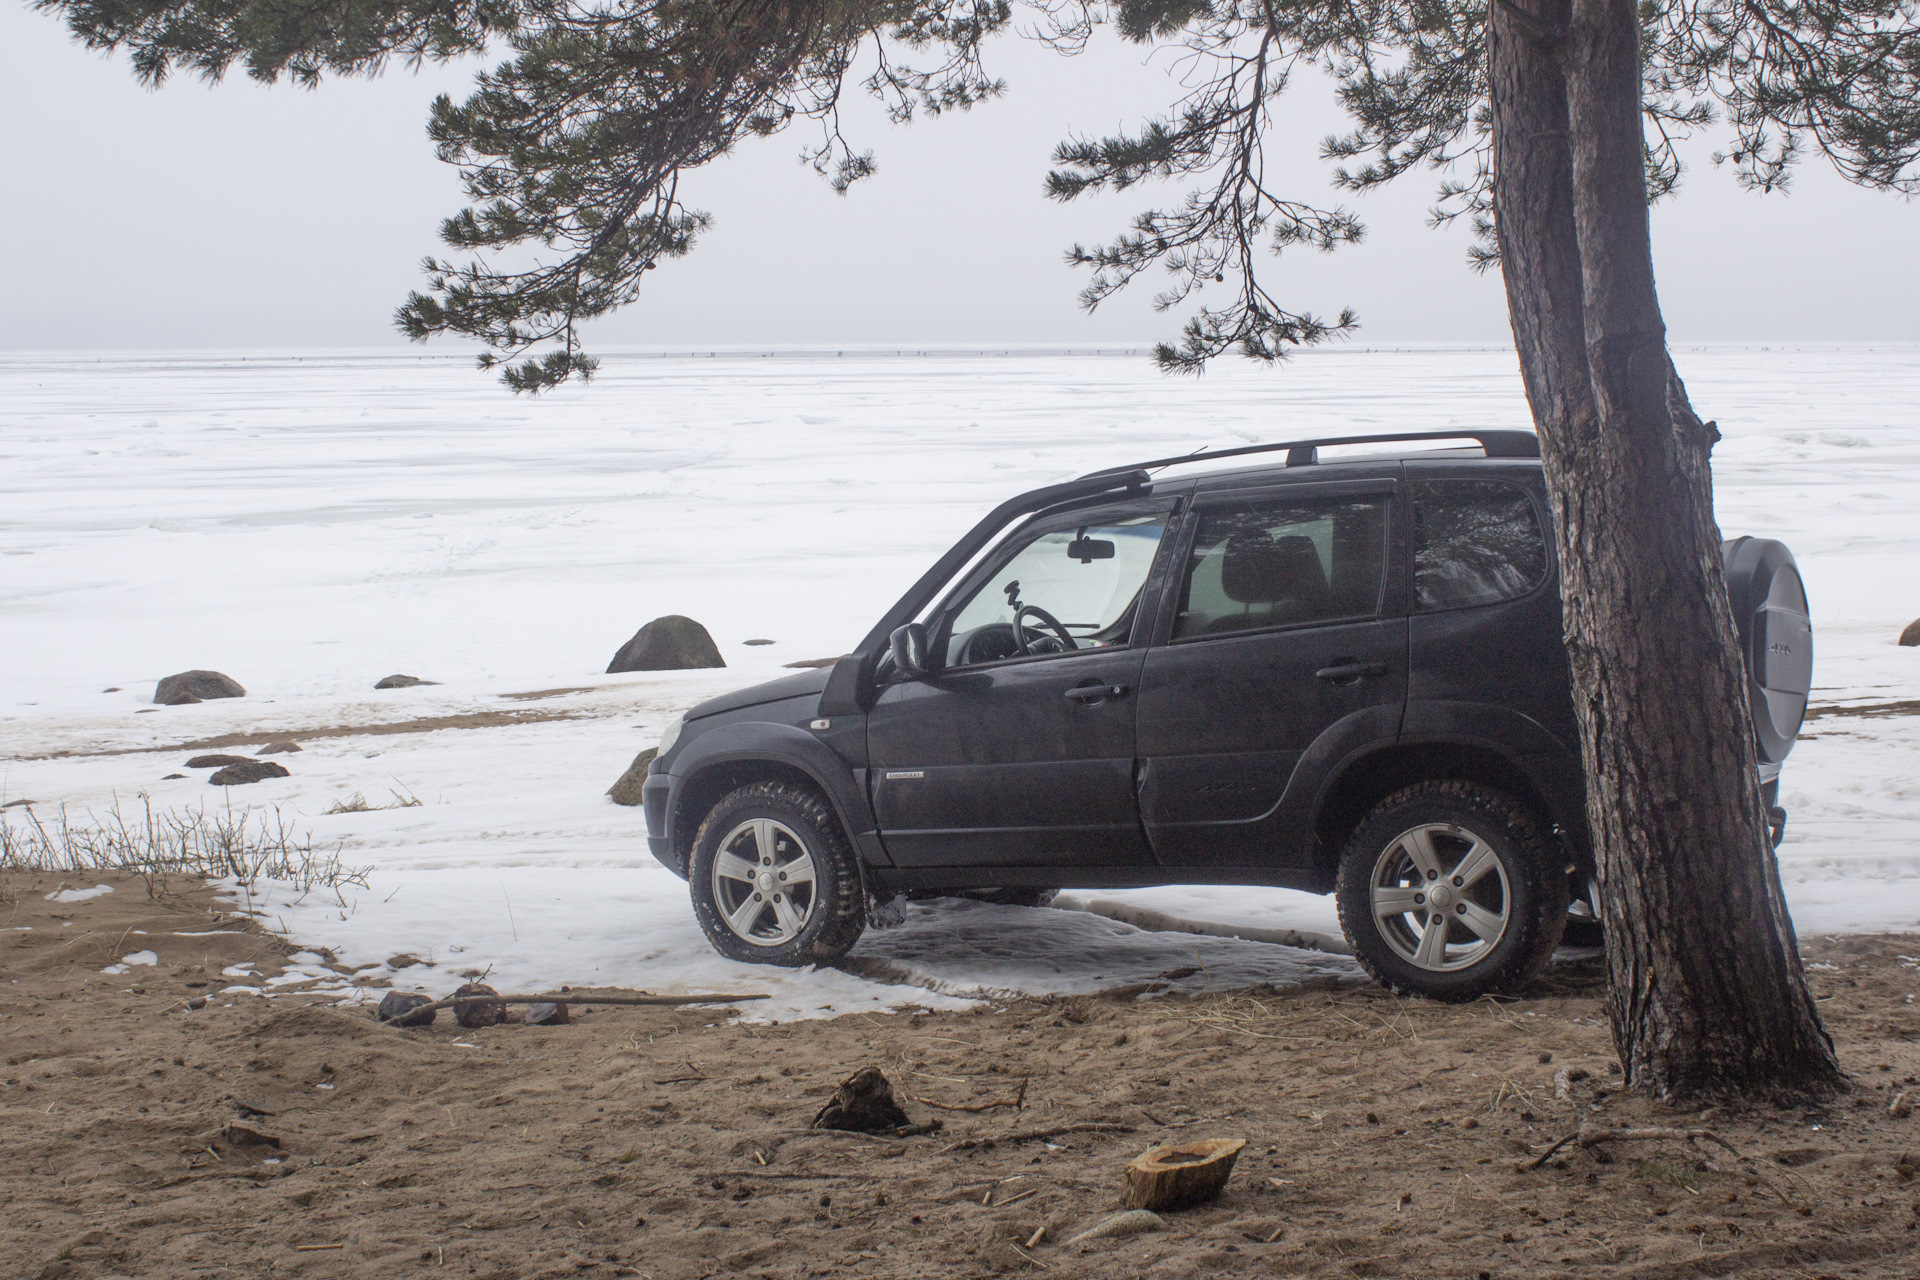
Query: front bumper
[{"x": 656, "y": 798}]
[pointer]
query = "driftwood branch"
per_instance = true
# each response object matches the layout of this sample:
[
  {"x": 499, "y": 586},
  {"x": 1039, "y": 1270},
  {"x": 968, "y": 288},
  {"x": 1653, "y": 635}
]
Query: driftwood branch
[
  {"x": 568, "y": 997},
  {"x": 893, "y": 1134}
]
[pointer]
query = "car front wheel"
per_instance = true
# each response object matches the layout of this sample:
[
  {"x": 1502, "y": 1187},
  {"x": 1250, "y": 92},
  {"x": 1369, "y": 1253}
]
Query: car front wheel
[
  {"x": 774, "y": 880},
  {"x": 1451, "y": 890}
]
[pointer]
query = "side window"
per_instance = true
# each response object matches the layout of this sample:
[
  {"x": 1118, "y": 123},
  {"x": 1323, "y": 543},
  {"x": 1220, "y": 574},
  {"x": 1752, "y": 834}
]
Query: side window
[
  {"x": 1278, "y": 562},
  {"x": 1065, "y": 590},
  {"x": 1475, "y": 542}
]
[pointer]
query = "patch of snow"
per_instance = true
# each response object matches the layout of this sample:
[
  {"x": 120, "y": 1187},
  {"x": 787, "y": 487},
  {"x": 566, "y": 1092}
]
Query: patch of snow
[
  {"x": 78, "y": 895},
  {"x": 128, "y": 962},
  {"x": 560, "y": 525}
]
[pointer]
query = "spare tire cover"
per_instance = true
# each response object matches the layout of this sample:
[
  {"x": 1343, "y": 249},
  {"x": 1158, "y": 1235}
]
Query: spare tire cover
[{"x": 1776, "y": 638}]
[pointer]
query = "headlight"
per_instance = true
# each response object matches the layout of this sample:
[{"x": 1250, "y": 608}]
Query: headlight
[{"x": 672, "y": 735}]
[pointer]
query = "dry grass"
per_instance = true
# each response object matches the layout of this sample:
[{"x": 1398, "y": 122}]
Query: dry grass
[
  {"x": 357, "y": 803},
  {"x": 245, "y": 844}
]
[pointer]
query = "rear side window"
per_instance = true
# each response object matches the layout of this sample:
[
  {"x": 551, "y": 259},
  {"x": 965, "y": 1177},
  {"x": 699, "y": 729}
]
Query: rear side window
[
  {"x": 1474, "y": 542},
  {"x": 1283, "y": 562}
]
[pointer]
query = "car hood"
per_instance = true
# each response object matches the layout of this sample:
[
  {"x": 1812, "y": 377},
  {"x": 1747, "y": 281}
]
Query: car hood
[{"x": 799, "y": 684}]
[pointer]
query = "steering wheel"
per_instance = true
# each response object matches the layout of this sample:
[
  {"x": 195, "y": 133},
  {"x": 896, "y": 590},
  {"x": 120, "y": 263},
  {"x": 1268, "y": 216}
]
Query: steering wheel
[{"x": 1020, "y": 638}]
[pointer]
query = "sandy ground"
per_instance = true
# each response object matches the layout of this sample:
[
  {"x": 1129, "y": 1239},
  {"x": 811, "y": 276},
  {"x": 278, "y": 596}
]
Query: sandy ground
[{"x": 1382, "y": 1133}]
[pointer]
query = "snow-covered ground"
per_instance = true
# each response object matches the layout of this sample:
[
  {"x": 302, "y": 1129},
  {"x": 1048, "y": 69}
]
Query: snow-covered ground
[{"x": 309, "y": 524}]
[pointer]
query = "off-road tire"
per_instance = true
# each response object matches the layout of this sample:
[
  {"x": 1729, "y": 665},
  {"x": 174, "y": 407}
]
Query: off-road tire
[
  {"x": 839, "y": 912},
  {"x": 1536, "y": 882}
]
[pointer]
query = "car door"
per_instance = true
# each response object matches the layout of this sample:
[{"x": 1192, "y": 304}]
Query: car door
[
  {"x": 1282, "y": 648},
  {"x": 1018, "y": 751}
]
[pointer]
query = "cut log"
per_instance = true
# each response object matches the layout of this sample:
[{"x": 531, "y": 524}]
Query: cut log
[
  {"x": 863, "y": 1104},
  {"x": 1184, "y": 1174}
]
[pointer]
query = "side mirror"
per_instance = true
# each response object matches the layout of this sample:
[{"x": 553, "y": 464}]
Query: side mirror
[
  {"x": 1087, "y": 550},
  {"x": 909, "y": 645}
]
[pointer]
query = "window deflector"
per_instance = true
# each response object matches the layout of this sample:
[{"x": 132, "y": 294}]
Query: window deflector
[{"x": 1173, "y": 591}]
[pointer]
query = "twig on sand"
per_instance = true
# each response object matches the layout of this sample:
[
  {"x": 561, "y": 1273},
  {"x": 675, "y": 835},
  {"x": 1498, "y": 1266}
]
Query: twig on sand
[
  {"x": 1586, "y": 1136},
  {"x": 1035, "y": 1135},
  {"x": 1017, "y": 1101},
  {"x": 833, "y": 1133},
  {"x": 1029, "y": 1257}
]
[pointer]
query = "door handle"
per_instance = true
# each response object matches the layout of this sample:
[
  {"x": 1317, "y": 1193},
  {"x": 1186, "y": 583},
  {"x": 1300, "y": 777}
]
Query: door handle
[
  {"x": 1348, "y": 672},
  {"x": 1091, "y": 693}
]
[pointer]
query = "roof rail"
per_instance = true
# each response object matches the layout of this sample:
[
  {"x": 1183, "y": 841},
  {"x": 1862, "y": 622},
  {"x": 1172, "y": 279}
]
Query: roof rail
[{"x": 1497, "y": 443}]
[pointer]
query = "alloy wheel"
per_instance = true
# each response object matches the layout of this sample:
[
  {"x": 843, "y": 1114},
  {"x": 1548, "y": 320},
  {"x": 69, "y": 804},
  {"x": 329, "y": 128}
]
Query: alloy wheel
[
  {"x": 1440, "y": 897},
  {"x": 763, "y": 882}
]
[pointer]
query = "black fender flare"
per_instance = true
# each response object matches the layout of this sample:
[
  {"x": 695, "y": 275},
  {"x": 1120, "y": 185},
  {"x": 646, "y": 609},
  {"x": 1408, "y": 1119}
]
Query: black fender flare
[
  {"x": 1552, "y": 767},
  {"x": 758, "y": 742},
  {"x": 1353, "y": 736}
]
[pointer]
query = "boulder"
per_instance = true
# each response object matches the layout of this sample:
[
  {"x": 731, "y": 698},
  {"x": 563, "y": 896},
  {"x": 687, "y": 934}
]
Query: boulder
[
  {"x": 627, "y": 789},
  {"x": 217, "y": 762},
  {"x": 196, "y": 686},
  {"x": 400, "y": 1006},
  {"x": 235, "y": 775},
  {"x": 278, "y": 748},
  {"x": 401, "y": 682},
  {"x": 1911, "y": 636},
  {"x": 479, "y": 1013},
  {"x": 672, "y": 643}
]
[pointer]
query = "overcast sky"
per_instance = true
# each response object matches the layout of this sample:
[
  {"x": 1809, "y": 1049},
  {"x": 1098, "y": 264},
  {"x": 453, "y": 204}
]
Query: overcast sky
[{"x": 236, "y": 215}]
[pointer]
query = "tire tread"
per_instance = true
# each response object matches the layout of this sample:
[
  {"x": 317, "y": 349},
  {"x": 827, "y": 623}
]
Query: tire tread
[
  {"x": 1537, "y": 850},
  {"x": 845, "y": 903}
]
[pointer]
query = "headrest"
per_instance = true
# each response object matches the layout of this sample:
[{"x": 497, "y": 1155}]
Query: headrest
[{"x": 1258, "y": 569}]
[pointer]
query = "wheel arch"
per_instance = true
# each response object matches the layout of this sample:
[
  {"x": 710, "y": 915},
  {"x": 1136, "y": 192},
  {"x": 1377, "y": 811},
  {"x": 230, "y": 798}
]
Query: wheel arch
[
  {"x": 1366, "y": 781},
  {"x": 730, "y": 756}
]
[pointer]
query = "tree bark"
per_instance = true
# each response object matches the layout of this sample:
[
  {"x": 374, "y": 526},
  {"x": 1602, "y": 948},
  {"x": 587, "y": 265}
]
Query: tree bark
[{"x": 1706, "y": 992}]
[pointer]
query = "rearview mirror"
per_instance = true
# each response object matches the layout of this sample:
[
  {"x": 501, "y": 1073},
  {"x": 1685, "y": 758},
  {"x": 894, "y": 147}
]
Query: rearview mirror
[
  {"x": 909, "y": 645},
  {"x": 1087, "y": 550}
]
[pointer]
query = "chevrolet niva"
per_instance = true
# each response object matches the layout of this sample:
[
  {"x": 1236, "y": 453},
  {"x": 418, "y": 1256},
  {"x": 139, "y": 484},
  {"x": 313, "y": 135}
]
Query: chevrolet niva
[{"x": 1344, "y": 676}]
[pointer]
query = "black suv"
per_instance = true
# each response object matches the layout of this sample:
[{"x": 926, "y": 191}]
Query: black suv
[{"x": 1340, "y": 676}]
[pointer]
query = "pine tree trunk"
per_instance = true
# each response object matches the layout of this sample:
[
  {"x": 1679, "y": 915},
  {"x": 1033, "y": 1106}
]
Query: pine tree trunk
[{"x": 1707, "y": 996}]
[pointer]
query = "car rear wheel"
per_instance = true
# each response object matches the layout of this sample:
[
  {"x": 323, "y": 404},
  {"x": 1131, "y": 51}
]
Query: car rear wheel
[
  {"x": 1451, "y": 890},
  {"x": 774, "y": 880}
]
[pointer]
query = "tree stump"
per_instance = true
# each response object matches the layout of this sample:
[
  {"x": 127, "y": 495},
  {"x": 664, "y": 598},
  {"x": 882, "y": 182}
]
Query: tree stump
[
  {"x": 862, "y": 1104},
  {"x": 1184, "y": 1174}
]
